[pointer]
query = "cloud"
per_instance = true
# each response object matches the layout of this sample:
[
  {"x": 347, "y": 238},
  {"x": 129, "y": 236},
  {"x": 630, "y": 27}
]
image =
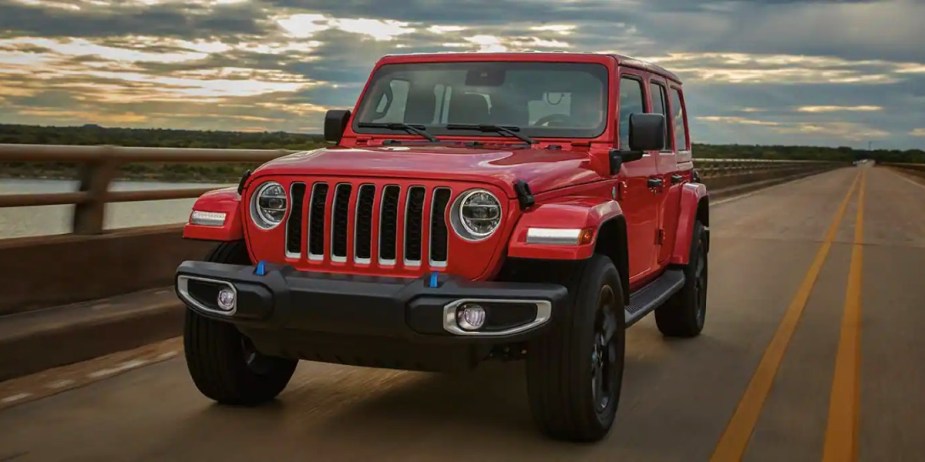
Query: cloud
[
  {"x": 817, "y": 109},
  {"x": 769, "y": 71},
  {"x": 919, "y": 132}
]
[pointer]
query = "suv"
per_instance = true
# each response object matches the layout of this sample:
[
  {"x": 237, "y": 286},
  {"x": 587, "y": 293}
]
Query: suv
[{"x": 472, "y": 207}]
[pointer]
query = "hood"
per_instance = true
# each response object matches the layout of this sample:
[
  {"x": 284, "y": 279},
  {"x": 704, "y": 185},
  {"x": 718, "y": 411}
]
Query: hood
[{"x": 542, "y": 169}]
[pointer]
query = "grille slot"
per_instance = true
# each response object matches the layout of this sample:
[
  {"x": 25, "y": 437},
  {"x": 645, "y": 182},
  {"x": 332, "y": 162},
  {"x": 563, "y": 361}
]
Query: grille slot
[
  {"x": 388, "y": 223},
  {"x": 294, "y": 224},
  {"x": 316, "y": 221},
  {"x": 362, "y": 241},
  {"x": 414, "y": 224},
  {"x": 341, "y": 208},
  {"x": 438, "y": 230}
]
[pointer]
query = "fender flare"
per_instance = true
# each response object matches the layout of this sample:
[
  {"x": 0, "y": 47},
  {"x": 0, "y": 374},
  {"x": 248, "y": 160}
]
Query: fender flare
[
  {"x": 585, "y": 213},
  {"x": 695, "y": 204},
  {"x": 225, "y": 200}
]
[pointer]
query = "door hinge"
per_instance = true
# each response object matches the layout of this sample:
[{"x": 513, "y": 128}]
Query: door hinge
[{"x": 659, "y": 236}]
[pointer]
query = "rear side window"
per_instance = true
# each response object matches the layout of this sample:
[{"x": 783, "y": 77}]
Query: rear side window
[
  {"x": 660, "y": 106},
  {"x": 631, "y": 102},
  {"x": 677, "y": 114}
]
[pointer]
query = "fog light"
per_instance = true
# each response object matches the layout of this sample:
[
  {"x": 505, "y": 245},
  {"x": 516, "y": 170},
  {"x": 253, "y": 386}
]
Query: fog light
[
  {"x": 470, "y": 316},
  {"x": 226, "y": 299}
]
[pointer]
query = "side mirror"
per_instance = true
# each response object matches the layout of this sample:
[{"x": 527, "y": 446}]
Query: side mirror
[
  {"x": 647, "y": 132},
  {"x": 335, "y": 122}
]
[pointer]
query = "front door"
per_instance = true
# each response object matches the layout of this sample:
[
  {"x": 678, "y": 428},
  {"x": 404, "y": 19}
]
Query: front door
[
  {"x": 669, "y": 193},
  {"x": 637, "y": 197}
]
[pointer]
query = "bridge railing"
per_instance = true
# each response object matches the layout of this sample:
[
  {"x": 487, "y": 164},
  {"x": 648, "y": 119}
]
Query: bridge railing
[{"x": 98, "y": 166}]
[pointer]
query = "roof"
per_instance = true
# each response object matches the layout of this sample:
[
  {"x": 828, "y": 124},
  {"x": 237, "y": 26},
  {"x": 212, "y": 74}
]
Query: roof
[{"x": 535, "y": 55}]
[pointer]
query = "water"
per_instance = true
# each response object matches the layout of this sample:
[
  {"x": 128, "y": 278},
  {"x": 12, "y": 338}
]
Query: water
[{"x": 56, "y": 219}]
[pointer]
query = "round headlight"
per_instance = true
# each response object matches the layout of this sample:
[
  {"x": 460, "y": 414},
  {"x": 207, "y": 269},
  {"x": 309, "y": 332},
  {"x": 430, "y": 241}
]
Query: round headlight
[
  {"x": 268, "y": 205},
  {"x": 476, "y": 215}
]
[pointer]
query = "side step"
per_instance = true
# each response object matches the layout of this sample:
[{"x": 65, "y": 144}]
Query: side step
[{"x": 653, "y": 295}]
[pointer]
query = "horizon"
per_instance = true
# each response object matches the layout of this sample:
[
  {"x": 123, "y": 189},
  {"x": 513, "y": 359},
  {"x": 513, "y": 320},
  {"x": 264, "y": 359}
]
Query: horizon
[{"x": 774, "y": 72}]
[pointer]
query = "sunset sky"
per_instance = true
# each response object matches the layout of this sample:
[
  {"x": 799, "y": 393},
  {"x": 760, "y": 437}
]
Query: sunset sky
[{"x": 756, "y": 72}]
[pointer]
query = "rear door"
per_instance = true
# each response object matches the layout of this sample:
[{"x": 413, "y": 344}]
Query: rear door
[
  {"x": 669, "y": 168},
  {"x": 639, "y": 203}
]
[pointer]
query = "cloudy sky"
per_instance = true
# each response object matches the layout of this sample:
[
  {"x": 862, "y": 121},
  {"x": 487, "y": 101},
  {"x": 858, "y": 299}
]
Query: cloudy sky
[{"x": 756, "y": 71}]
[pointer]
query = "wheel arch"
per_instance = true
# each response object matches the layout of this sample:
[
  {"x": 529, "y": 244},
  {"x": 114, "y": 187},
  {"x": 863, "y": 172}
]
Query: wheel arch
[
  {"x": 695, "y": 206},
  {"x": 612, "y": 243}
]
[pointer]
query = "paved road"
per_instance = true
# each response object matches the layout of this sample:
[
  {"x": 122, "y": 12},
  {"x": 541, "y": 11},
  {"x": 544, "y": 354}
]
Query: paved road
[{"x": 802, "y": 304}]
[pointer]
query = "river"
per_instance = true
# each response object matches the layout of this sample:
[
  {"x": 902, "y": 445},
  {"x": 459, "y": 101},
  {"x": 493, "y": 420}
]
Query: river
[{"x": 56, "y": 219}]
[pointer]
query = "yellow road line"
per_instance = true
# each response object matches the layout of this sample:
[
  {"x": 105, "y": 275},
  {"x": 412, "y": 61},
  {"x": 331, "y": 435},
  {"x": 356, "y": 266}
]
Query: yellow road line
[
  {"x": 738, "y": 431},
  {"x": 842, "y": 429}
]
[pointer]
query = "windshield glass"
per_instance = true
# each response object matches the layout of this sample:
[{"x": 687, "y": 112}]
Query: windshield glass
[{"x": 541, "y": 99}]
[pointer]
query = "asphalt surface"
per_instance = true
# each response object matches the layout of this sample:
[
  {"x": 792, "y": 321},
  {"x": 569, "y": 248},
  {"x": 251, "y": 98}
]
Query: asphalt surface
[{"x": 813, "y": 350}]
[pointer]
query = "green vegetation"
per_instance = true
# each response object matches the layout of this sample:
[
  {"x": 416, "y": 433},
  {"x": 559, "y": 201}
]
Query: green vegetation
[{"x": 96, "y": 135}]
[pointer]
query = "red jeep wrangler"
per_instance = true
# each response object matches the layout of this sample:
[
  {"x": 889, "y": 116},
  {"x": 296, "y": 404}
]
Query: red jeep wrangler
[{"x": 474, "y": 206}]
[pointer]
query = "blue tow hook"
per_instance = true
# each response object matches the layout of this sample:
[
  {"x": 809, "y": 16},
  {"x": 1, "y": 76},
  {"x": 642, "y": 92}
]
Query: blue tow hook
[
  {"x": 433, "y": 281},
  {"x": 261, "y": 269}
]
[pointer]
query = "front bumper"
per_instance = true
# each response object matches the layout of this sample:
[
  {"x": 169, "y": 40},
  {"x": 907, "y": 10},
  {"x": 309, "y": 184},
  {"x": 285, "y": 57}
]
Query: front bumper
[{"x": 308, "y": 315}]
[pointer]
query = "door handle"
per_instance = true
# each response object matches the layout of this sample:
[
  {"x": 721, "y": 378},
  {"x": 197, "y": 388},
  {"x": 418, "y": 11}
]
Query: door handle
[
  {"x": 675, "y": 179},
  {"x": 655, "y": 182}
]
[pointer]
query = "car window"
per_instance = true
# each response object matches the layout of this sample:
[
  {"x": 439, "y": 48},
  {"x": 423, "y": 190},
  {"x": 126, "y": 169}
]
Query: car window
[
  {"x": 541, "y": 99},
  {"x": 660, "y": 106},
  {"x": 631, "y": 102},
  {"x": 677, "y": 114}
]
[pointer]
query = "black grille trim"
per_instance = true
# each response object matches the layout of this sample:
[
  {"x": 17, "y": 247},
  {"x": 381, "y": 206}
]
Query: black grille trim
[
  {"x": 414, "y": 224},
  {"x": 438, "y": 231},
  {"x": 363, "y": 223},
  {"x": 388, "y": 224},
  {"x": 294, "y": 223},
  {"x": 340, "y": 209},
  {"x": 316, "y": 221}
]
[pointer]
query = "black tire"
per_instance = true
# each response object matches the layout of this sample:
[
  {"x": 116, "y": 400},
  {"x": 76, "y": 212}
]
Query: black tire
[
  {"x": 684, "y": 314},
  {"x": 566, "y": 401},
  {"x": 222, "y": 362}
]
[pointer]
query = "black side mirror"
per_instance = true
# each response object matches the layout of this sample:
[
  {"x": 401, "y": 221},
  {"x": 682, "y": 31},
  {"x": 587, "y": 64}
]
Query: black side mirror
[
  {"x": 647, "y": 132},
  {"x": 335, "y": 122},
  {"x": 618, "y": 158}
]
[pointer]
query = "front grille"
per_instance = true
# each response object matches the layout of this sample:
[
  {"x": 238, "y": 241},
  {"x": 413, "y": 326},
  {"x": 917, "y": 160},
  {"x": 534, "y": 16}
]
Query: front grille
[
  {"x": 316, "y": 221},
  {"x": 368, "y": 223}
]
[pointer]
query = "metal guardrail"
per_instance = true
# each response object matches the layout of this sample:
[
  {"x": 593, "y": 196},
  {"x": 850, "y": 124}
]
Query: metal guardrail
[{"x": 99, "y": 165}]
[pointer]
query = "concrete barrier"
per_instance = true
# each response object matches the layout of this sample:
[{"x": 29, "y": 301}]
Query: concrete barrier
[{"x": 39, "y": 272}]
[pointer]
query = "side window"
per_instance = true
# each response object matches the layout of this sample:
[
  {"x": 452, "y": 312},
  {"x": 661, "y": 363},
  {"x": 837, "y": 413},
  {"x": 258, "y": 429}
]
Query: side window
[
  {"x": 631, "y": 102},
  {"x": 660, "y": 106},
  {"x": 677, "y": 114}
]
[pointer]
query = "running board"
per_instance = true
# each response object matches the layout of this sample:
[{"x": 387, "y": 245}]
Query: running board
[{"x": 653, "y": 295}]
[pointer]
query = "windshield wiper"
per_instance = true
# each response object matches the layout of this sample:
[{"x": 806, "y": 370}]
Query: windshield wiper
[
  {"x": 503, "y": 129},
  {"x": 416, "y": 129}
]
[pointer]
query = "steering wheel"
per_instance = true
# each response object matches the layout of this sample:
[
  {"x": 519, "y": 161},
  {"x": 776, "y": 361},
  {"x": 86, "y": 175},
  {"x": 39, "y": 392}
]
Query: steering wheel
[{"x": 551, "y": 119}]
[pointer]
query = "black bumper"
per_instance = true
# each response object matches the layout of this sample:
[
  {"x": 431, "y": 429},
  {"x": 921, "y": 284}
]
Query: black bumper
[{"x": 284, "y": 303}]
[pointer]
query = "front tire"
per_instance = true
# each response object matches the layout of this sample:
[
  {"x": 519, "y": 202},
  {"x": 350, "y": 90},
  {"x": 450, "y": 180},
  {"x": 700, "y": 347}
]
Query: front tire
[
  {"x": 684, "y": 314},
  {"x": 222, "y": 362},
  {"x": 575, "y": 371}
]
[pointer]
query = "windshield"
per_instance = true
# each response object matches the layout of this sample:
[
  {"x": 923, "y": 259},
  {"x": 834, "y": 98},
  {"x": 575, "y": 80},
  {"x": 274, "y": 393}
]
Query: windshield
[{"x": 540, "y": 99}]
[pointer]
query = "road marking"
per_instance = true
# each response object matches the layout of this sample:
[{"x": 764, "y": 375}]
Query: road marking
[
  {"x": 14, "y": 398},
  {"x": 842, "y": 429},
  {"x": 60, "y": 384},
  {"x": 907, "y": 179},
  {"x": 733, "y": 442},
  {"x": 121, "y": 367}
]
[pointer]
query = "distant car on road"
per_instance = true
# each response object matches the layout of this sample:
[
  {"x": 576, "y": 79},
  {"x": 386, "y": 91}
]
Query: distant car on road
[{"x": 473, "y": 207}]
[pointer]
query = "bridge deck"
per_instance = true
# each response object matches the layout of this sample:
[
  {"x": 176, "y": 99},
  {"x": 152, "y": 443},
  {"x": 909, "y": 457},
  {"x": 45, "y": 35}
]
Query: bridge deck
[{"x": 679, "y": 396}]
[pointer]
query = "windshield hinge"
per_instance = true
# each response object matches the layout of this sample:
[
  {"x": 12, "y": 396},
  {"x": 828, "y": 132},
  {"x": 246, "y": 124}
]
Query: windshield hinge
[{"x": 524, "y": 195}]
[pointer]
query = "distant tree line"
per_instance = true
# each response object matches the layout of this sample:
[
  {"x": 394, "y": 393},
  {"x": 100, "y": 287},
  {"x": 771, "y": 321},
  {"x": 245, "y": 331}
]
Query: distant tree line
[{"x": 96, "y": 135}]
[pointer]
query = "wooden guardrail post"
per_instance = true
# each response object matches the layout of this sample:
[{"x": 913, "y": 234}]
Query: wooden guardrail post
[{"x": 95, "y": 177}]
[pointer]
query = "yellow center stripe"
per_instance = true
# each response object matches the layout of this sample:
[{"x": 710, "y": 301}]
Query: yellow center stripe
[
  {"x": 738, "y": 431},
  {"x": 842, "y": 429}
]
